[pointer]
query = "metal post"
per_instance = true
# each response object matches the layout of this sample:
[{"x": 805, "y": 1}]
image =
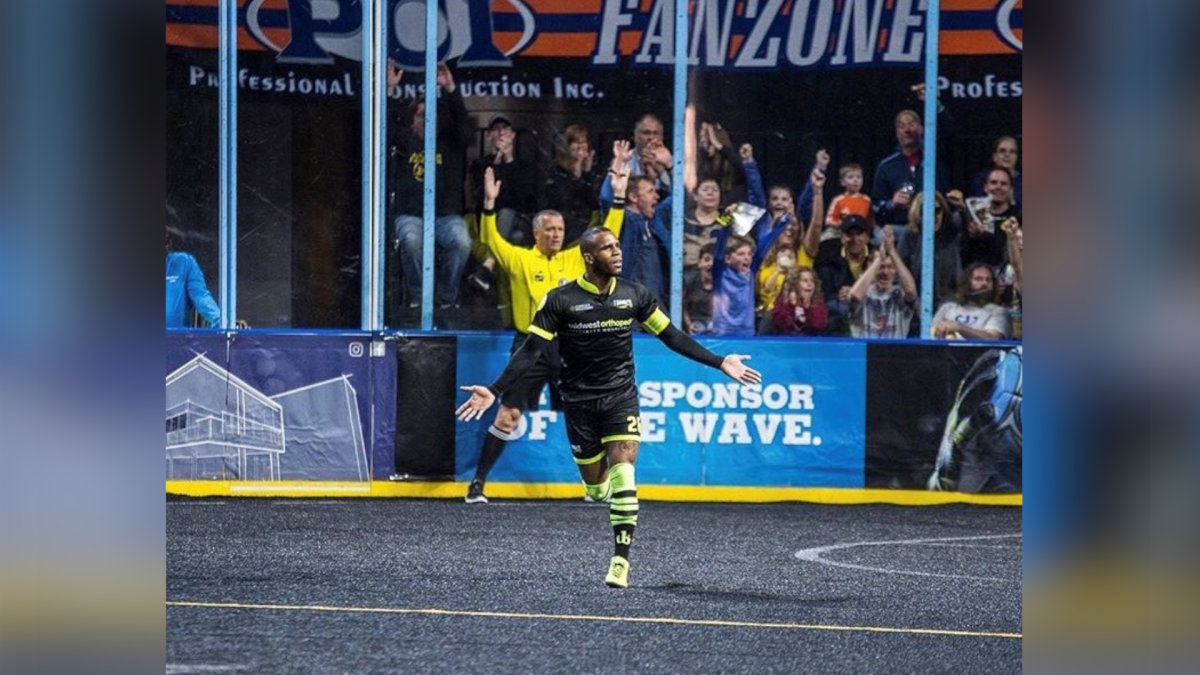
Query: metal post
[
  {"x": 227, "y": 163},
  {"x": 678, "y": 197},
  {"x": 930, "y": 166}
]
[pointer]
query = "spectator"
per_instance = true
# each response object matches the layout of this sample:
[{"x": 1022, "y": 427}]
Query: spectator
[
  {"x": 851, "y": 202},
  {"x": 645, "y": 235},
  {"x": 701, "y": 221},
  {"x": 973, "y": 314},
  {"x": 900, "y": 176},
  {"x": 518, "y": 194},
  {"x": 186, "y": 290},
  {"x": 786, "y": 253},
  {"x": 986, "y": 241},
  {"x": 452, "y": 241},
  {"x": 648, "y": 157},
  {"x": 880, "y": 308},
  {"x": 719, "y": 161},
  {"x": 947, "y": 261},
  {"x": 1005, "y": 155},
  {"x": 518, "y": 177},
  {"x": 733, "y": 285},
  {"x": 840, "y": 263},
  {"x": 736, "y": 263},
  {"x": 1014, "y": 273},
  {"x": 573, "y": 186},
  {"x": 697, "y": 294},
  {"x": 800, "y": 309},
  {"x": 778, "y": 261}
]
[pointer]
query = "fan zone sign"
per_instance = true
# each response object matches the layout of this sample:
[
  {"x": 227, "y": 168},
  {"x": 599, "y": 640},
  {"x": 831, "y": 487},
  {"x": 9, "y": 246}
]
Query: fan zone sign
[{"x": 723, "y": 34}]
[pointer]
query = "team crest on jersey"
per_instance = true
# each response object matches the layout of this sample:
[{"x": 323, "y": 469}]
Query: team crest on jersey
[{"x": 623, "y": 303}]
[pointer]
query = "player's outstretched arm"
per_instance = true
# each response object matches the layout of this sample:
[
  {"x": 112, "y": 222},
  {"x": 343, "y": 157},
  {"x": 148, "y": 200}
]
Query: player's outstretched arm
[
  {"x": 682, "y": 343},
  {"x": 483, "y": 397}
]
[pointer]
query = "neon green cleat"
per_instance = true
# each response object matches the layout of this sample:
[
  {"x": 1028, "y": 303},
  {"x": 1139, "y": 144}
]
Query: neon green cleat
[{"x": 618, "y": 572}]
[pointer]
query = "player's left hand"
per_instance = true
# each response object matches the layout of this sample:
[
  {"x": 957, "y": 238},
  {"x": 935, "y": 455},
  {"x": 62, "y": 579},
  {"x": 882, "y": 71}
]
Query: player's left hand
[
  {"x": 481, "y": 399},
  {"x": 734, "y": 368}
]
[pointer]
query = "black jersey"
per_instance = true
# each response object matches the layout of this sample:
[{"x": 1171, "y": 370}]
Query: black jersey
[{"x": 595, "y": 334}]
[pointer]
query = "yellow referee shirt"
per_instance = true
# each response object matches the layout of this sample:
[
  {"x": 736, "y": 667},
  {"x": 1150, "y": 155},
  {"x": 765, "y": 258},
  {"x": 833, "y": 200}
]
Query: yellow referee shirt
[{"x": 532, "y": 274}]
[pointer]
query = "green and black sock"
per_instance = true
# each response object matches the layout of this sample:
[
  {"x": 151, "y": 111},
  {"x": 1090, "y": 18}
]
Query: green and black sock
[{"x": 623, "y": 507}]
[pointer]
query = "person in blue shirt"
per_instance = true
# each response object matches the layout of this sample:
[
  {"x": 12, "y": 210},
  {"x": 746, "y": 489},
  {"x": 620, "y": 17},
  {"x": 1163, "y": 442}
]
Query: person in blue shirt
[{"x": 185, "y": 284}]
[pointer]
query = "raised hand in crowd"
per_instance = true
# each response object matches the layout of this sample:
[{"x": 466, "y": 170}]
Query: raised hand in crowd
[
  {"x": 491, "y": 189},
  {"x": 956, "y": 200},
  {"x": 660, "y": 155},
  {"x": 889, "y": 242},
  {"x": 394, "y": 74},
  {"x": 1016, "y": 250},
  {"x": 502, "y": 145},
  {"x": 818, "y": 181},
  {"x": 582, "y": 160},
  {"x": 622, "y": 155},
  {"x": 445, "y": 78},
  {"x": 822, "y": 160}
]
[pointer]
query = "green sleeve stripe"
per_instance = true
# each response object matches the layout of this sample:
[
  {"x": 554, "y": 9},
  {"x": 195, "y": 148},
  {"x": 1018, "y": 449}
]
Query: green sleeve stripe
[
  {"x": 540, "y": 332},
  {"x": 657, "y": 322}
]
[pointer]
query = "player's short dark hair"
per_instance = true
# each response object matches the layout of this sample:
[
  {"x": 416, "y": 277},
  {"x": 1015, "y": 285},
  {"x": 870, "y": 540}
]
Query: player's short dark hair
[{"x": 587, "y": 241}]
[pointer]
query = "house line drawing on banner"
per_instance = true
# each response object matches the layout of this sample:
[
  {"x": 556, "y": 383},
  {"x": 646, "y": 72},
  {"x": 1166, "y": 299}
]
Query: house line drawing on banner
[{"x": 219, "y": 427}]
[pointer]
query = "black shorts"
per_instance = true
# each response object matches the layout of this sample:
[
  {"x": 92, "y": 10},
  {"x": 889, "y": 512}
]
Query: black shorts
[
  {"x": 592, "y": 423},
  {"x": 525, "y": 392}
]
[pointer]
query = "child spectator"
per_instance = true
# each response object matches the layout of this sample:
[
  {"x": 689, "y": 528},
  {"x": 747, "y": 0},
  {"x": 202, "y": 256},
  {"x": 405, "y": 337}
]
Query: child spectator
[
  {"x": 733, "y": 285},
  {"x": 697, "y": 294},
  {"x": 800, "y": 310},
  {"x": 851, "y": 202},
  {"x": 778, "y": 261},
  {"x": 701, "y": 221},
  {"x": 880, "y": 308}
]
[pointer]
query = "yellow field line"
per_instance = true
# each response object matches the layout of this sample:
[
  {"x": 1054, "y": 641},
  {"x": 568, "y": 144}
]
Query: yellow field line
[
  {"x": 585, "y": 617},
  {"x": 668, "y": 493}
]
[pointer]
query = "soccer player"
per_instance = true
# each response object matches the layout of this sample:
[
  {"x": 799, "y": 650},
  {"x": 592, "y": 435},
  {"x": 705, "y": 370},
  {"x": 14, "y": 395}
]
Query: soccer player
[
  {"x": 592, "y": 319},
  {"x": 532, "y": 272}
]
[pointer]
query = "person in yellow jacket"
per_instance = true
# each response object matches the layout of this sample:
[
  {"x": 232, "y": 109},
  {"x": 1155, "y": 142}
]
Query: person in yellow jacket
[{"x": 532, "y": 273}]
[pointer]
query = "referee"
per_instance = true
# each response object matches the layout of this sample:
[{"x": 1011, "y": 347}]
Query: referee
[
  {"x": 532, "y": 273},
  {"x": 592, "y": 320}
]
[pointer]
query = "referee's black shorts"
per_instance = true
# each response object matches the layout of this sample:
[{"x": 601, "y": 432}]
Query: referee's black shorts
[
  {"x": 592, "y": 423},
  {"x": 525, "y": 392}
]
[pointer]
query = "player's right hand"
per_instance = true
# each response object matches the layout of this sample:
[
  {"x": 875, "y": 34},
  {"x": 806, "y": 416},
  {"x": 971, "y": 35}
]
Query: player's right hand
[
  {"x": 481, "y": 399},
  {"x": 734, "y": 368}
]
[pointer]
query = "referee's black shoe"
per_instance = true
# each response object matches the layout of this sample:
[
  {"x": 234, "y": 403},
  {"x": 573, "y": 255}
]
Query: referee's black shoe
[{"x": 475, "y": 493}]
